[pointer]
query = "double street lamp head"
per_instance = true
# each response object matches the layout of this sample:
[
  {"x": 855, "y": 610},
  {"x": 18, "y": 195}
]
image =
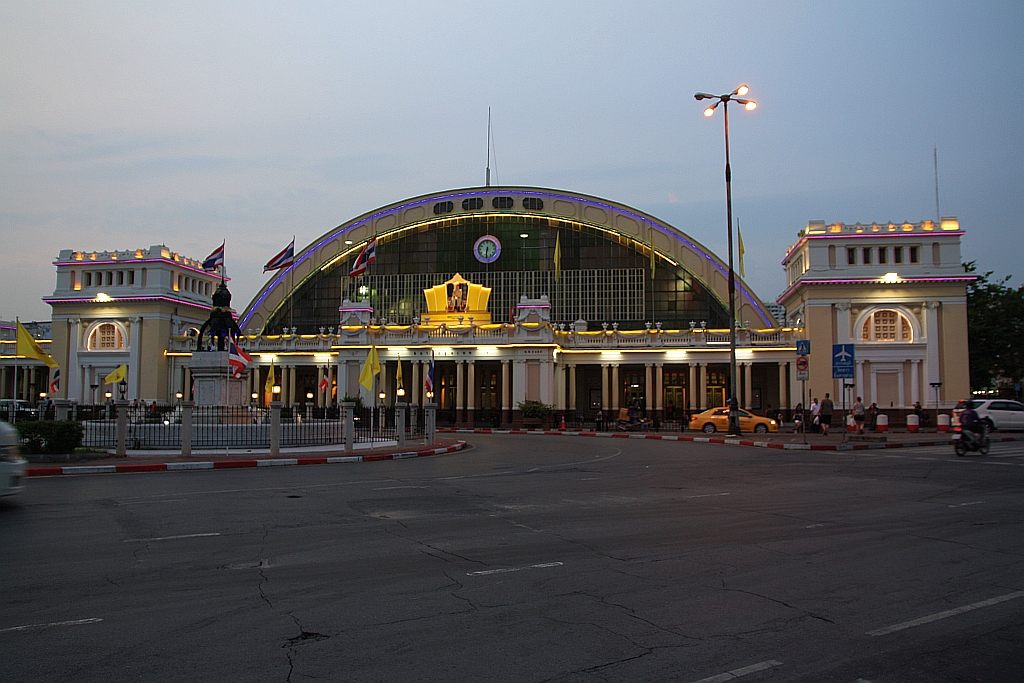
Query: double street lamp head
[{"x": 735, "y": 96}]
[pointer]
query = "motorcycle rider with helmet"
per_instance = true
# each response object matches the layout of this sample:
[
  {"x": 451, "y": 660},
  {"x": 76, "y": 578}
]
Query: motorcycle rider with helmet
[{"x": 970, "y": 422}]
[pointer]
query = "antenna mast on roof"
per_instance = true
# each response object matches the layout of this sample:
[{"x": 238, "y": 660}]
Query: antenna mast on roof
[
  {"x": 488, "y": 180},
  {"x": 935, "y": 159}
]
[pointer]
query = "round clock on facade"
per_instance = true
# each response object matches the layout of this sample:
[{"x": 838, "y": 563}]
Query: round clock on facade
[{"x": 487, "y": 249}]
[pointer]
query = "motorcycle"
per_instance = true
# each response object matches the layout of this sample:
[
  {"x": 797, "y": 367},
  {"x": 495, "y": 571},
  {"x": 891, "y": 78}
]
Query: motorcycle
[{"x": 968, "y": 441}]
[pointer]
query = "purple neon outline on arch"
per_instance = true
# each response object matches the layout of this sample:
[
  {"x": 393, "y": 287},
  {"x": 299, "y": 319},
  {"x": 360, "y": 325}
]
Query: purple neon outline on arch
[{"x": 489, "y": 192}]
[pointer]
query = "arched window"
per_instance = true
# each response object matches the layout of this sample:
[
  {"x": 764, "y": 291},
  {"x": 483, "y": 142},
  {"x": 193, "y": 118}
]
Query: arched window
[
  {"x": 106, "y": 337},
  {"x": 887, "y": 326}
]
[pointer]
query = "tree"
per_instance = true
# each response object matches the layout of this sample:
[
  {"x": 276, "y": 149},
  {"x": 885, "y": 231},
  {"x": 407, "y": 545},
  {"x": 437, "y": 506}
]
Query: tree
[{"x": 995, "y": 330}]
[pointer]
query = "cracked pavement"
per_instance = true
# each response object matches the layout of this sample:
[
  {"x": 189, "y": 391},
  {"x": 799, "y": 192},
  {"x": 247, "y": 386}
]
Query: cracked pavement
[{"x": 628, "y": 560}]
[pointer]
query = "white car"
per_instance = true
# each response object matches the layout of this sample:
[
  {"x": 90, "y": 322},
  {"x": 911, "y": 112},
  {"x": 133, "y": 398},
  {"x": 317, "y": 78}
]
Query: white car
[
  {"x": 997, "y": 413},
  {"x": 12, "y": 465}
]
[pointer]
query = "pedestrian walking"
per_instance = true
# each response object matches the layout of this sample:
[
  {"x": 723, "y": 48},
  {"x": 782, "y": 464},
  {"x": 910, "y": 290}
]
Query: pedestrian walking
[
  {"x": 858, "y": 413},
  {"x": 815, "y": 416},
  {"x": 827, "y": 408}
]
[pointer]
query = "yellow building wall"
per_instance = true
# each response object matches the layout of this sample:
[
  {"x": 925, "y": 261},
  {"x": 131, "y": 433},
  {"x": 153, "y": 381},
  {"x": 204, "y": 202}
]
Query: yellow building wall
[
  {"x": 820, "y": 330},
  {"x": 59, "y": 348},
  {"x": 953, "y": 353},
  {"x": 154, "y": 380}
]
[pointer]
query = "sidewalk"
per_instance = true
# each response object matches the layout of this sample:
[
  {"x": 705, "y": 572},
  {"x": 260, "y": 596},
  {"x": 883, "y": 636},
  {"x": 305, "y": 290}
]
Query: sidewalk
[
  {"x": 779, "y": 440},
  {"x": 164, "y": 461}
]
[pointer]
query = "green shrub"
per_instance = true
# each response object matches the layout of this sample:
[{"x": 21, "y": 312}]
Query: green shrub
[
  {"x": 50, "y": 436},
  {"x": 534, "y": 410},
  {"x": 358, "y": 400}
]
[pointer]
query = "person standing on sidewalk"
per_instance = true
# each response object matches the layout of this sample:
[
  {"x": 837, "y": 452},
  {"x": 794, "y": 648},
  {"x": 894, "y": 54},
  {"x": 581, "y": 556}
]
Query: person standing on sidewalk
[
  {"x": 827, "y": 408},
  {"x": 815, "y": 416},
  {"x": 858, "y": 415}
]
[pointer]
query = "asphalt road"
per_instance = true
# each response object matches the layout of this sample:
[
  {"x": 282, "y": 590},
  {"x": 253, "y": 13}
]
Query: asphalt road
[{"x": 527, "y": 559}]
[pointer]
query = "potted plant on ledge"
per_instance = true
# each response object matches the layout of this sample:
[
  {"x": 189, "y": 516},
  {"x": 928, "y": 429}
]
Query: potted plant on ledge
[{"x": 535, "y": 413}]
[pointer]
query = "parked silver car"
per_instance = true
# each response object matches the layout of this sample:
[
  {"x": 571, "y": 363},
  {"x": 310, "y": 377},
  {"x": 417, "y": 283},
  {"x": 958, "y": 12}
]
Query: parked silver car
[
  {"x": 12, "y": 465},
  {"x": 997, "y": 413}
]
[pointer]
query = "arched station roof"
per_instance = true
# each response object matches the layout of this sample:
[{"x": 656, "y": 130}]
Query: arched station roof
[{"x": 642, "y": 231}]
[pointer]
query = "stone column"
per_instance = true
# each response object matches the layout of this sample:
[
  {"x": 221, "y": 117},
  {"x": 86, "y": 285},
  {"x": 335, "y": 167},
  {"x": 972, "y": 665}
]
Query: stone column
[
  {"x": 605, "y": 403},
  {"x": 430, "y": 422},
  {"x": 915, "y": 381},
  {"x": 659, "y": 389},
  {"x": 748, "y": 389},
  {"x": 648, "y": 388},
  {"x": 931, "y": 314},
  {"x": 186, "y": 428},
  {"x": 518, "y": 386},
  {"x": 691, "y": 390},
  {"x": 400, "y": 409},
  {"x": 134, "y": 358},
  {"x": 573, "y": 405},
  {"x": 417, "y": 385},
  {"x": 784, "y": 399},
  {"x": 348, "y": 415},
  {"x": 703, "y": 388},
  {"x": 382, "y": 382},
  {"x": 506, "y": 394},
  {"x": 615, "y": 388},
  {"x": 471, "y": 392},
  {"x": 121, "y": 433},
  {"x": 73, "y": 387},
  {"x": 275, "y": 428},
  {"x": 460, "y": 392},
  {"x": 559, "y": 386},
  {"x": 547, "y": 377},
  {"x": 859, "y": 379}
]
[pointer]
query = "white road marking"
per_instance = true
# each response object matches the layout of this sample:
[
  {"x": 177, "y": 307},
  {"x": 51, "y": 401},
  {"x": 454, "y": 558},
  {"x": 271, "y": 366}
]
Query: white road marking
[
  {"x": 147, "y": 502},
  {"x": 814, "y": 526},
  {"x": 75, "y": 622},
  {"x": 948, "y": 613},
  {"x": 392, "y": 488},
  {"x": 169, "y": 538},
  {"x": 743, "y": 671},
  {"x": 960, "y": 505},
  {"x": 514, "y": 569},
  {"x": 708, "y": 495}
]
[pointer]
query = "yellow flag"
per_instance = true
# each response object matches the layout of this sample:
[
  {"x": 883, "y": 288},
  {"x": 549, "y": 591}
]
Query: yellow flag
[
  {"x": 117, "y": 375},
  {"x": 742, "y": 250},
  {"x": 399, "y": 384},
  {"x": 268, "y": 388},
  {"x": 29, "y": 347},
  {"x": 370, "y": 368},
  {"x": 558, "y": 256}
]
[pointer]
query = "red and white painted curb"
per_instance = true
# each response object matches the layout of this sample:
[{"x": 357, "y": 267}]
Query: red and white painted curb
[
  {"x": 722, "y": 440},
  {"x": 232, "y": 464}
]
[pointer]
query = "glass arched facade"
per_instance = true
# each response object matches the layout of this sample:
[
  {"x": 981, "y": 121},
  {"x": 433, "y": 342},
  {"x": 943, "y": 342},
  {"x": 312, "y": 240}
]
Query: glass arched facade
[{"x": 604, "y": 276}]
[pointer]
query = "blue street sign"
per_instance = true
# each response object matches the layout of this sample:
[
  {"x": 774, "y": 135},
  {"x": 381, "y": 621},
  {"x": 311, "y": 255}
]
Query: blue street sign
[
  {"x": 803, "y": 347},
  {"x": 842, "y": 361}
]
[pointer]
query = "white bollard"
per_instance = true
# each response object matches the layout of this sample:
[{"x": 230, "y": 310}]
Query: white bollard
[
  {"x": 851, "y": 424},
  {"x": 882, "y": 425},
  {"x": 943, "y": 422},
  {"x": 913, "y": 423}
]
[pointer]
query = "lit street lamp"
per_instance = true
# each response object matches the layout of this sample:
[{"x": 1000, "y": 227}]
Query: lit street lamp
[{"x": 734, "y": 415}]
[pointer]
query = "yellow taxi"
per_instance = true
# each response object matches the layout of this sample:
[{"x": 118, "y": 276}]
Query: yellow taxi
[{"x": 717, "y": 419}]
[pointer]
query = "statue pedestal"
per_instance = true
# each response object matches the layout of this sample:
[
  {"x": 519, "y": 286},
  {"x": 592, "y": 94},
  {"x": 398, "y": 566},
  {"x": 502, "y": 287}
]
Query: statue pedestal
[{"x": 213, "y": 383}]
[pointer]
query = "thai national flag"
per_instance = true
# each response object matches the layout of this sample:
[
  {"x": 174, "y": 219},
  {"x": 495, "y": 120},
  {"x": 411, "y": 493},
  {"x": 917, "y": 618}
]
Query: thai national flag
[
  {"x": 282, "y": 260},
  {"x": 238, "y": 359},
  {"x": 367, "y": 256},
  {"x": 428, "y": 380},
  {"x": 215, "y": 259},
  {"x": 325, "y": 384},
  {"x": 55, "y": 382}
]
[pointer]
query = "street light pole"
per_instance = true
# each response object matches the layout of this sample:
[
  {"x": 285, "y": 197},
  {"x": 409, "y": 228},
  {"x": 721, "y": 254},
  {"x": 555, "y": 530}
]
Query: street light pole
[{"x": 734, "y": 415}]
